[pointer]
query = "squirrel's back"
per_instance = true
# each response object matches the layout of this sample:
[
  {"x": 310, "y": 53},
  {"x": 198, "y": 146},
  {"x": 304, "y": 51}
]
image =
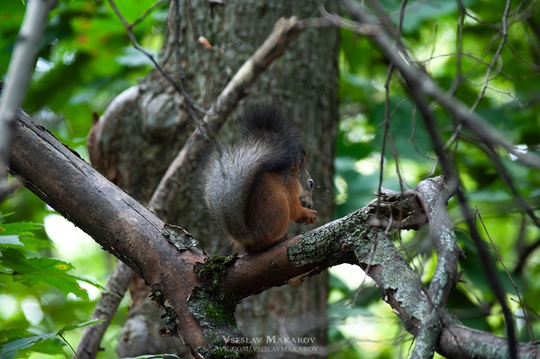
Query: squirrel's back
[{"x": 245, "y": 184}]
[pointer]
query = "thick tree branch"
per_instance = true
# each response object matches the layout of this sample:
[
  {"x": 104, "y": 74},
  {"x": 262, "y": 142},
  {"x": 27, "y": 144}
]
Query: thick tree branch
[
  {"x": 457, "y": 341},
  {"x": 284, "y": 32},
  {"x": 446, "y": 274},
  {"x": 121, "y": 225},
  {"x": 135, "y": 235}
]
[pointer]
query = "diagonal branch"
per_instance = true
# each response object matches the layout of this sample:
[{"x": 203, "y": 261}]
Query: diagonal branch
[
  {"x": 284, "y": 32},
  {"x": 117, "y": 284},
  {"x": 21, "y": 65},
  {"x": 120, "y": 224},
  {"x": 504, "y": 35}
]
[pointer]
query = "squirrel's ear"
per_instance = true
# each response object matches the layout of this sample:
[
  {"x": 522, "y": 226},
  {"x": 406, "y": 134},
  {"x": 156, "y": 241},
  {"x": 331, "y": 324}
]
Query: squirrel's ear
[{"x": 301, "y": 159}]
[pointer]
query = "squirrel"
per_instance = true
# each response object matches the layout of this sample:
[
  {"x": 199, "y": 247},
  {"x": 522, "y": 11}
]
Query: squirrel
[{"x": 253, "y": 188}]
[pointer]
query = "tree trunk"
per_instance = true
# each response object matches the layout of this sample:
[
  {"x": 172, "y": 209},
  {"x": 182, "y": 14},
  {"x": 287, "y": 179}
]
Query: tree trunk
[{"x": 144, "y": 128}]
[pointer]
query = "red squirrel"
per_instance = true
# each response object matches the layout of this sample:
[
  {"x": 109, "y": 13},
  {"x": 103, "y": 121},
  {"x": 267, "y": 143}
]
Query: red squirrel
[{"x": 253, "y": 188}]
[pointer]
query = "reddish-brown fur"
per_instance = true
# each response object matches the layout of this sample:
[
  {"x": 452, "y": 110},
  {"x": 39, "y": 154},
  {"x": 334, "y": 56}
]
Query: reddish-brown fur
[{"x": 276, "y": 204}]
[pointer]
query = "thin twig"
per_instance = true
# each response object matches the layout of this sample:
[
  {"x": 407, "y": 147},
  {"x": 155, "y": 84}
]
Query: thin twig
[
  {"x": 409, "y": 70},
  {"x": 516, "y": 289},
  {"x": 459, "y": 50},
  {"x": 524, "y": 254},
  {"x": 146, "y": 13},
  {"x": 504, "y": 35},
  {"x": 509, "y": 181},
  {"x": 178, "y": 87},
  {"x": 385, "y": 134}
]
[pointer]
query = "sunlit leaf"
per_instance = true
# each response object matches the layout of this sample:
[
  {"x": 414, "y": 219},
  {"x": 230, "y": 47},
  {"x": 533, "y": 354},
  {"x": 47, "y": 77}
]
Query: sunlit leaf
[{"x": 32, "y": 271}]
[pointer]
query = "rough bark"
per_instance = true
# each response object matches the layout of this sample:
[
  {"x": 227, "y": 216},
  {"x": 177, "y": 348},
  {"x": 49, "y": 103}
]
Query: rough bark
[
  {"x": 116, "y": 221},
  {"x": 135, "y": 235}
]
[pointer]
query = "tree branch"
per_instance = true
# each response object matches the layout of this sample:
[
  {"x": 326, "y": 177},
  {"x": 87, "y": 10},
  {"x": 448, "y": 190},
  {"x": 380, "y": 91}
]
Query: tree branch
[
  {"x": 117, "y": 285},
  {"x": 496, "y": 56},
  {"x": 446, "y": 274},
  {"x": 135, "y": 235},
  {"x": 457, "y": 341},
  {"x": 284, "y": 32},
  {"x": 420, "y": 85},
  {"x": 121, "y": 225},
  {"x": 19, "y": 74}
]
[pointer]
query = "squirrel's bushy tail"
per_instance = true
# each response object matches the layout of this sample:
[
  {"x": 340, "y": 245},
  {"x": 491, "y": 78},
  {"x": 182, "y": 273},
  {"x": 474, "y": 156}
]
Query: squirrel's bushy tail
[{"x": 270, "y": 143}]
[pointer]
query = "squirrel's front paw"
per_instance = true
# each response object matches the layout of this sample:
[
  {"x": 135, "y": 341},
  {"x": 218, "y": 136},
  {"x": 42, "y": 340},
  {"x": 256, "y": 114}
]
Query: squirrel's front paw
[{"x": 310, "y": 217}]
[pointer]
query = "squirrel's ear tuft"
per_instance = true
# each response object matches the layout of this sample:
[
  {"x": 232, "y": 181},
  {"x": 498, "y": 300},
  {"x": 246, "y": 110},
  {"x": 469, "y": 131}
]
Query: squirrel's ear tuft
[{"x": 301, "y": 159}]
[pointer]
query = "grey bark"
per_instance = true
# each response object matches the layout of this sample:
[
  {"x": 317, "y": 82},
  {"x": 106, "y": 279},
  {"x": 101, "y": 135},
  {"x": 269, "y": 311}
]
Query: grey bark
[{"x": 19, "y": 74}]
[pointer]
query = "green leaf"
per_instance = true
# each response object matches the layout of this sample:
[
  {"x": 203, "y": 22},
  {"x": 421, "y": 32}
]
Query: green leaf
[
  {"x": 51, "y": 341},
  {"x": 18, "y": 228},
  {"x": 31, "y": 271},
  {"x": 19, "y": 235},
  {"x": 10, "y": 349}
]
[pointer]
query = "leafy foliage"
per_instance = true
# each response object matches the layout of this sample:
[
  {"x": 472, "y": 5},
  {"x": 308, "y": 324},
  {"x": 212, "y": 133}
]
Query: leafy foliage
[
  {"x": 19, "y": 264},
  {"x": 44, "y": 343},
  {"x": 85, "y": 60},
  {"x": 33, "y": 271}
]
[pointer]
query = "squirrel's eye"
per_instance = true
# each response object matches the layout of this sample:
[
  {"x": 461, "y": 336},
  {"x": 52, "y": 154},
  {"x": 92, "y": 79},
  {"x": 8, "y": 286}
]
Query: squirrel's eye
[{"x": 310, "y": 183}]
